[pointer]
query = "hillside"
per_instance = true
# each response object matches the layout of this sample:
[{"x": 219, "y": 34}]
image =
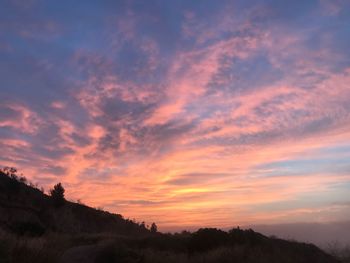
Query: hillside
[
  {"x": 34, "y": 229},
  {"x": 25, "y": 209}
]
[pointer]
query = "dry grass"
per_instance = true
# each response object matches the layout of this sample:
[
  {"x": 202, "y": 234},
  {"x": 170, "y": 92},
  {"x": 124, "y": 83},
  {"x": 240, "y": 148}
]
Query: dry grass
[
  {"x": 341, "y": 252},
  {"x": 45, "y": 249},
  {"x": 31, "y": 249},
  {"x": 112, "y": 248}
]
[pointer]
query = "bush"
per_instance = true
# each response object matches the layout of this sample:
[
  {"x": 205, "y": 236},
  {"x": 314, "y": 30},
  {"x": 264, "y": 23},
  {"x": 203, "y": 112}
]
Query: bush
[
  {"x": 57, "y": 195},
  {"x": 154, "y": 228},
  {"x": 207, "y": 238}
]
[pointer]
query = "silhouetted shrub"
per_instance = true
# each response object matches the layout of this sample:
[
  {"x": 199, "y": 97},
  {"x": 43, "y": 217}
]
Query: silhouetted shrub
[
  {"x": 12, "y": 185},
  {"x": 239, "y": 236},
  {"x": 57, "y": 195},
  {"x": 207, "y": 238},
  {"x": 154, "y": 228}
]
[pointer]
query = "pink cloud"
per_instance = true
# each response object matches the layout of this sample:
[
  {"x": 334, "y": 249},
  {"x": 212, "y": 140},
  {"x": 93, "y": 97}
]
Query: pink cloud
[{"x": 22, "y": 118}]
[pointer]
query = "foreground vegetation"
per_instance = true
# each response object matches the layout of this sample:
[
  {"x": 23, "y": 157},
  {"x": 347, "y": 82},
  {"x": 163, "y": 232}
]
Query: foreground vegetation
[{"x": 205, "y": 245}]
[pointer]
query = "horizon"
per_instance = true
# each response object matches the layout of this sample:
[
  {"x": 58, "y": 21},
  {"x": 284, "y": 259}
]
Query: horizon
[{"x": 183, "y": 114}]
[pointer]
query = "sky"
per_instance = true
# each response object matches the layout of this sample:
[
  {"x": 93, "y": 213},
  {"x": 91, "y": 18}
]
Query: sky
[{"x": 185, "y": 113}]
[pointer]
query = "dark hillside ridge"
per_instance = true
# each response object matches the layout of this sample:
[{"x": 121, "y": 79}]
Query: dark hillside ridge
[
  {"x": 236, "y": 245},
  {"x": 27, "y": 210}
]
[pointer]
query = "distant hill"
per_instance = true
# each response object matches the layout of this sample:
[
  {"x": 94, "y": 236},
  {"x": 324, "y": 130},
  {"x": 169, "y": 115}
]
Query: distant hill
[
  {"x": 320, "y": 234},
  {"x": 25, "y": 209},
  {"x": 35, "y": 229}
]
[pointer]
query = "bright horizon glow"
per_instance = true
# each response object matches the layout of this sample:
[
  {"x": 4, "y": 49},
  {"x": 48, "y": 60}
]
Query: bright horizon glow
[{"x": 220, "y": 114}]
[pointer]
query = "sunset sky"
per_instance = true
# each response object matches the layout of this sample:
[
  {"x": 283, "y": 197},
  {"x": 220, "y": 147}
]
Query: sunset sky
[{"x": 186, "y": 113}]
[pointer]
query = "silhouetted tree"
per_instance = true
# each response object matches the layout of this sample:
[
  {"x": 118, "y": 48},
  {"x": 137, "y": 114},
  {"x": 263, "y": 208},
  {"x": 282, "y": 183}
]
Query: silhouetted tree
[
  {"x": 143, "y": 225},
  {"x": 57, "y": 195},
  {"x": 11, "y": 172},
  {"x": 13, "y": 185},
  {"x": 154, "y": 228}
]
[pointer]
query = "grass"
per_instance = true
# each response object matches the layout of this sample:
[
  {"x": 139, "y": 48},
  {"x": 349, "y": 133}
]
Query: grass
[
  {"x": 30, "y": 249},
  {"x": 341, "y": 252},
  {"x": 113, "y": 249}
]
